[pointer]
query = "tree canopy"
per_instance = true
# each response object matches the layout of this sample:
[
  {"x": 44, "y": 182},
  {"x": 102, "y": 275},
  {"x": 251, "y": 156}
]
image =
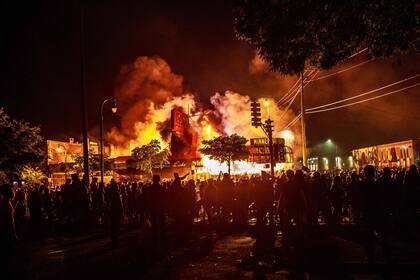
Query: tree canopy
[
  {"x": 150, "y": 156},
  {"x": 20, "y": 144},
  {"x": 226, "y": 149},
  {"x": 94, "y": 161},
  {"x": 289, "y": 34}
]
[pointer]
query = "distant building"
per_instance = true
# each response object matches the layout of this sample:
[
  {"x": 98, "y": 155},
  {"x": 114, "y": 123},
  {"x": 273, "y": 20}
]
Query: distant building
[
  {"x": 64, "y": 152},
  {"x": 330, "y": 163},
  {"x": 396, "y": 154},
  {"x": 61, "y": 155}
]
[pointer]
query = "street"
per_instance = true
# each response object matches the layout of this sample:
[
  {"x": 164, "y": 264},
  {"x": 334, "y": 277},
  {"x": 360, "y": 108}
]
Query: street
[{"x": 206, "y": 255}]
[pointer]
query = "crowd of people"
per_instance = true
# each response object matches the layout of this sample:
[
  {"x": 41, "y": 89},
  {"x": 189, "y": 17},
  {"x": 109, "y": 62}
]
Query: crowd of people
[{"x": 379, "y": 200}]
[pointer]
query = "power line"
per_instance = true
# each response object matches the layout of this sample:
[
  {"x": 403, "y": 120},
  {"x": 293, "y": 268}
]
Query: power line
[
  {"x": 285, "y": 96},
  {"x": 288, "y": 92},
  {"x": 290, "y": 104},
  {"x": 296, "y": 94},
  {"x": 293, "y": 121},
  {"x": 392, "y": 114},
  {"x": 344, "y": 70},
  {"x": 359, "y": 52},
  {"x": 292, "y": 90},
  {"x": 306, "y": 81},
  {"x": 362, "y": 101},
  {"x": 363, "y": 94}
]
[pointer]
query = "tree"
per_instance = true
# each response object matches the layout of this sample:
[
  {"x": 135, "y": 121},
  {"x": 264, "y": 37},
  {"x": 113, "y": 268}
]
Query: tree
[
  {"x": 150, "y": 156},
  {"x": 94, "y": 161},
  {"x": 31, "y": 174},
  {"x": 289, "y": 34},
  {"x": 20, "y": 144},
  {"x": 226, "y": 149}
]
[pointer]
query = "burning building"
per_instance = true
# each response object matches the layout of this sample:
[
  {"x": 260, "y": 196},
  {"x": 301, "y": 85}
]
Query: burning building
[{"x": 154, "y": 105}]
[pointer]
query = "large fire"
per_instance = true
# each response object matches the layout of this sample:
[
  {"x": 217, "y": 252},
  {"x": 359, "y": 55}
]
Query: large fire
[{"x": 148, "y": 91}]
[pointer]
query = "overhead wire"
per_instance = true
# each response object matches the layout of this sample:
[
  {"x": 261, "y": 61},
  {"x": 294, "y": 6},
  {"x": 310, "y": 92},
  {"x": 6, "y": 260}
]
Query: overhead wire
[
  {"x": 363, "y": 94},
  {"x": 293, "y": 121},
  {"x": 343, "y": 70},
  {"x": 305, "y": 83},
  {"x": 286, "y": 98},
  {"x": 296, "y": 94},
  {"x": 361, "y": 101},
  {"x": 359, "y": 52},
  {"x": 288, "y": 92},
  {"x": 393, "y": 114}
]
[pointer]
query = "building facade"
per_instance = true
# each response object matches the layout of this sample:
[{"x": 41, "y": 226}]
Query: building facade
[{"x": 397, "y": 154}]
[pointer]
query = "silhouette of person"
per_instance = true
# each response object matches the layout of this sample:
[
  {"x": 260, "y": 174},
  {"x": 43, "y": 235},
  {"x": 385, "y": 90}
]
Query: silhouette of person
[
  {"x": 354, "y": 196},
  {"x": 98, "y": 203},
  {"x": 320, "y": 196},
  {"x": 411, "y": 196},
  {"x": 336, "y": 196},
  {"x": 35, "y": 210},
  {"x": 177, "y": 181},
  {"x": 292, "y": 200},
  {"x": 115, "y": 211},
  {"x": 226, "y": 197},
  {"x": 7, "y": 229},
  {"x": 264, "y": 199},
  {"x": 155, "y": 203},
  {"x": 81, "y": 207},
  {"x": 374, "y": 215},
  {"x": 67, "y": 201},
  {"x": 209, "y": 201}
]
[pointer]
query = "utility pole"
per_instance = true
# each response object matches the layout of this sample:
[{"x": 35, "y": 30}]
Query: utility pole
[
  {"x": 83, "y": 97},
  {"x": 101, "y": 133},
  {"x": 268, "y": 127},
  {"x": 302, "y": 121}
]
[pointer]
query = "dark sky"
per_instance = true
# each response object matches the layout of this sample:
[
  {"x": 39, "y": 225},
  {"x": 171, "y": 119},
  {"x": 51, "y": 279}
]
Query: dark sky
[{"x": 41, "y": 69}]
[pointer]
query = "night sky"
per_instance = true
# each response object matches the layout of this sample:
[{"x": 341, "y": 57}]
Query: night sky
[{"x": 41, "y": 67}]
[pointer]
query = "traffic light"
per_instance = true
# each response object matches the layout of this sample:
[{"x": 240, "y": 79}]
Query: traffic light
[
  {"x": 269, "y": 126},
  {"x": 255, "y": 113},
  {"x": 282, "y": 153}
]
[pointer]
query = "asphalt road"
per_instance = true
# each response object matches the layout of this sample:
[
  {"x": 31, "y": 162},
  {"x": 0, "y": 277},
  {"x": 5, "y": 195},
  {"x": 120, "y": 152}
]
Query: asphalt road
[{"x": 211, "y": 254}]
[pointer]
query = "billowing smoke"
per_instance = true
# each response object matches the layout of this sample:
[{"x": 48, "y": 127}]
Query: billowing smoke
[{"x": 147, "y": 91}]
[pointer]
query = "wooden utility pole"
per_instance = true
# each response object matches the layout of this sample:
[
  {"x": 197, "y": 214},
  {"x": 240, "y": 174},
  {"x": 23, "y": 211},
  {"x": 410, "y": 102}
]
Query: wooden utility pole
[
  {"x": 302, "y": 121},
  {"x": 83, "y": 97}
]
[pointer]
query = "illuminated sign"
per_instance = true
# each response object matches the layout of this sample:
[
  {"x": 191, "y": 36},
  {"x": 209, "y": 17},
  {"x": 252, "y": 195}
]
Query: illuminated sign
[{"x": 259, "y": 150}]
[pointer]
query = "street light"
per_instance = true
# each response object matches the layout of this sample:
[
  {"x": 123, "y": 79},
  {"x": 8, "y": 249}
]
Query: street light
[
  {"x": 287, "y": 135},
  {"x": 101, "y": 141},
  {"x": 330, "y": 142},
  {"x": 266, "y": 104}
]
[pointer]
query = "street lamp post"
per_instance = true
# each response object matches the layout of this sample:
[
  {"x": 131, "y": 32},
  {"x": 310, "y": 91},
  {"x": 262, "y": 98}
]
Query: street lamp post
[
  {"x": 101, "y": 141},
  {"x": 302, "y": 122},
  {"x": 330, "y": 142}
]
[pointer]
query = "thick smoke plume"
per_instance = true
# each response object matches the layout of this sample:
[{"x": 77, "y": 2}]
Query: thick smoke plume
[{"x": 148, "y": 90}]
